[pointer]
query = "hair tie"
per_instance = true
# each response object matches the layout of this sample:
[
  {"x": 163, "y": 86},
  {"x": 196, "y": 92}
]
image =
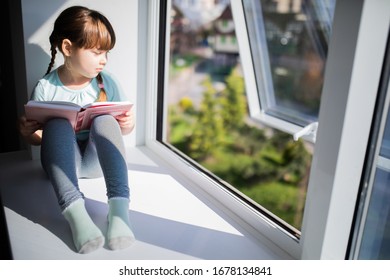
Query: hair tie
[{"x": 101, "y": 85}]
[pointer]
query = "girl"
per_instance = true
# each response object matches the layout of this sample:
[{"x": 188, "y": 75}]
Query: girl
[{"x": 84, "y": 37}]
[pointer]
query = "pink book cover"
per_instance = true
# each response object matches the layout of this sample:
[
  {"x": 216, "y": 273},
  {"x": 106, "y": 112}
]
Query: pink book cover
[{"x": 80, "y": 117}]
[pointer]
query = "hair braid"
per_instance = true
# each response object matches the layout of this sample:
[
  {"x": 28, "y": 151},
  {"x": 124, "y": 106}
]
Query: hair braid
[
  {"x": 53, "y": 57},
  {"x": 102, "y": 94}
]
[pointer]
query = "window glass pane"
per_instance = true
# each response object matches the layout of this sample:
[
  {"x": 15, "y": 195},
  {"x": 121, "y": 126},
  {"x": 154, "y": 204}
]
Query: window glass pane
[
  {"x": 289, "y": 43},
  {"x": 376, "y": 237},
  {"x": 375, "y": 243},
  {"x": 208, "y": 120}
]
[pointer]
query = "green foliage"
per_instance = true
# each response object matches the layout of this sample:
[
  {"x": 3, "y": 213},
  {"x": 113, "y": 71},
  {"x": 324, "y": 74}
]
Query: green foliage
[
  {"x": 208, "y": 131},
  {"x": 233, "y": 102},
  {"x": 180, "y": 62},
  {"x": 295, "y": 161},
  {"x": 247, "y": 139},
  {"x": 183, "y": 61},
  {"x": 186, "y": 105},
  {"x": 279, "y": 198},
  {"x": 180, "y": 129},
  {"x": 270, "y": 169}
]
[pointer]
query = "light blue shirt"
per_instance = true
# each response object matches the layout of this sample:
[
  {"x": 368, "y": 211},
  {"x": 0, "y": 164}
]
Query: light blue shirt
[{"x": 50, "y": 88}]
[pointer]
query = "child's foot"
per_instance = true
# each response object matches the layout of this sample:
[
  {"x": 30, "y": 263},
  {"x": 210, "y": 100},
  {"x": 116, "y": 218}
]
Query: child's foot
[
  {"x": 87, "y": 237},
  {"x": 119, "y": 234}
]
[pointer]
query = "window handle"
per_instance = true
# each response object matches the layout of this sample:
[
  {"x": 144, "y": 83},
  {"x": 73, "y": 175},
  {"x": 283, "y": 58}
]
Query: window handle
[{"x": 309, "y": 130}]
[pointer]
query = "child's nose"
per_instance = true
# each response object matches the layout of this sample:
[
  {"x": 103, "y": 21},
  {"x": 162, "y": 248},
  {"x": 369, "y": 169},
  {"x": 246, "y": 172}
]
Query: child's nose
[{"x": 103, "y": 59}]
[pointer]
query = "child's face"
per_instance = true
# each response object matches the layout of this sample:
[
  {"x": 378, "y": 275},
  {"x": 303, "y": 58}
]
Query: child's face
[{"x": 88, "y": 62}]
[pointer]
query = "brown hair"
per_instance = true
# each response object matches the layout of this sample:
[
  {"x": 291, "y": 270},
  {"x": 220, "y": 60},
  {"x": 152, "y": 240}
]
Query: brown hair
[{"x": 85, "y": 28}]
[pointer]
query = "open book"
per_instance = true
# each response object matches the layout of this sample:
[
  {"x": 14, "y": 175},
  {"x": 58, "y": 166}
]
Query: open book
[{"x": 79, "y": 116}]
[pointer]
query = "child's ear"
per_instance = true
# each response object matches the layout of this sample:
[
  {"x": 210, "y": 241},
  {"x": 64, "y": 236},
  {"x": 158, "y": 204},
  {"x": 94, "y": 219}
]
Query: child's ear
[{"x": 66, "y": 47}]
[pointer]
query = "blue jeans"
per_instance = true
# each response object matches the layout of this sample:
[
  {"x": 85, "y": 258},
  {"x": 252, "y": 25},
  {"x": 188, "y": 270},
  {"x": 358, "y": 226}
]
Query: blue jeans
[{"x": 65, "y": 159}]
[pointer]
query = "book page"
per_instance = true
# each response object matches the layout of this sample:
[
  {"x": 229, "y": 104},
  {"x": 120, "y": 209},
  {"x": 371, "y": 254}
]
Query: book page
[
  {"x": 54, "y": 104},
  {"x": 103, "y": 108},
  {"x": 79, "y": 117},
  {"x": 42, "y": 115},
  {"x": 106, "y": 103}
]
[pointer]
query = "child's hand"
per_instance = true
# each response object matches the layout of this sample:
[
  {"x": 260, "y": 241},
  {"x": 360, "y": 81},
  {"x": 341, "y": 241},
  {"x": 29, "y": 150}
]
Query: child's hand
[
  {"x": 126, "y": 122},
  {"x": 27, "y": 127},
  {"x": 30, "y": 130}
]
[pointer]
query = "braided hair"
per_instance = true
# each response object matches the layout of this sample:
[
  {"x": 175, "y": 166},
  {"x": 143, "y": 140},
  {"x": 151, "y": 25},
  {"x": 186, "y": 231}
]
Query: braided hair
[
  {"x": 85, "y": 28},
  {"x": 102, "y": 94}
]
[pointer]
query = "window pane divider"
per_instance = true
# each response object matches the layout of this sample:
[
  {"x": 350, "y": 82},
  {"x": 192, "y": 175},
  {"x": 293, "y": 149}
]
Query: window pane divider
[{"x": 290, "y": 128}]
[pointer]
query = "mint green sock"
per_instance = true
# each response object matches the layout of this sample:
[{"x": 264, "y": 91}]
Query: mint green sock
[
  {"x": 87, "y": 237},
  {"x": 119, "y": 232}
]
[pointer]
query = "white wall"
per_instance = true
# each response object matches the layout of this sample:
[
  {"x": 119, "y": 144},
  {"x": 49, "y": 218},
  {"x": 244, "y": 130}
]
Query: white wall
[{"x": 38, "y": 20}]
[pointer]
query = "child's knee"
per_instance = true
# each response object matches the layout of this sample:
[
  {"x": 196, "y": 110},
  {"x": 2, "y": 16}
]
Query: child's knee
[
  {"x": 104, "y": 122},
  {"x": 57, "y": 123}
]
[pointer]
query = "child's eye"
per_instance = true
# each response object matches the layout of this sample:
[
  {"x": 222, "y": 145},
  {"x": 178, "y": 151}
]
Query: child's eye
[{"x": 97, "y": 52}]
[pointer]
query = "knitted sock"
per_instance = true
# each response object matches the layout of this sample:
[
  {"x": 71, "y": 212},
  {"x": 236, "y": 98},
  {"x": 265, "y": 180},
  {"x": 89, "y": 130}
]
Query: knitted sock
[
  {"x": 87, "y": 237},
  {"x": 119, "y": 233}
]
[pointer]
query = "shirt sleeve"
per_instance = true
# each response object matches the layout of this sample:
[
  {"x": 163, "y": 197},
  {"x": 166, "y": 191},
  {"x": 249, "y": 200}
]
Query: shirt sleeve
[
  {"x": 113, "y": 88},
  {"x": 38, "y": 93}
]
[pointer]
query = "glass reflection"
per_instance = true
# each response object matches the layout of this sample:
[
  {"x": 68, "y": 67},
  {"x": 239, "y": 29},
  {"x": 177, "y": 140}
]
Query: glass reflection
[{"x": 290, "y": 42}]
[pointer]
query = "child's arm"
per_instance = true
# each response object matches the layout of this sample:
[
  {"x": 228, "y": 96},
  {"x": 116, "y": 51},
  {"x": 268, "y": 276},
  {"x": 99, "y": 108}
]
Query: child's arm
[{"x": 31, "y": 131}]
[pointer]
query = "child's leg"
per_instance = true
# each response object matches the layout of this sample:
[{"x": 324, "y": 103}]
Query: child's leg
[
  {"x": 60, "y": 155},
  {"x": 107, "y": 137}
]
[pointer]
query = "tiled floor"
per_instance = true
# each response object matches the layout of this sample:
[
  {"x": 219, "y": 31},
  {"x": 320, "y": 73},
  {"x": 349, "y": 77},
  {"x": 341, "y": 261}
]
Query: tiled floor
[{"x": 171, "y": 218}]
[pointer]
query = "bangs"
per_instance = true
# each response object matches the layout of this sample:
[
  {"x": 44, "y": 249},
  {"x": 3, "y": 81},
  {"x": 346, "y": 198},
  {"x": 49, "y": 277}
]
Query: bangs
[{"x": 97, "y": 35}]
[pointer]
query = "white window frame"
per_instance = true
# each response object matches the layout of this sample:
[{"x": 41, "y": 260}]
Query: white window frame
[
  {"x": 260, "y": 96},
  {"x": 352, "y": 76}
]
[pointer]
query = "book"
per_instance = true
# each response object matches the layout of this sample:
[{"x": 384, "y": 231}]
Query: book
[{"x": 80, "y": 117}]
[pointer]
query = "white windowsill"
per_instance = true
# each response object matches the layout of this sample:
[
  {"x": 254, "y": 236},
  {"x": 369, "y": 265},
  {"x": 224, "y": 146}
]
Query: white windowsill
[{"x": 172, "y": 218}]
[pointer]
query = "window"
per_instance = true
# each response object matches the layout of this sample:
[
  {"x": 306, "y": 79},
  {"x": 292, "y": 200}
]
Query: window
[
  {"x": 372, "y": 230},
  {"x": 289, "y": 44},
  {"x": 207, "y": 118},
  {"x": 353, "y": 66}
]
